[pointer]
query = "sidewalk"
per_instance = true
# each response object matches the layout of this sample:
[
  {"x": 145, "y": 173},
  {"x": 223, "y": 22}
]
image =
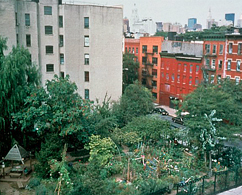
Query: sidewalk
[
  {"x": 235, "y": 191},
  {"x": 171, "y": 111}
]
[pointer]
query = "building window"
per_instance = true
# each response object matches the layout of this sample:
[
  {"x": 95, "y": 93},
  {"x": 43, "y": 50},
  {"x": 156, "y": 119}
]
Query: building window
[
  {"x": 62, "y": 75},
  {"x": 185, "y": 68},
  {"x": 60, "y": 21},
  {"x": 228, "y": 77},
  {"x": 17, "y": 39},
  {"x": 196, "y": 81},
  {"x": 86, "y": 22},
  {"x": 86, "y": 41},
  {"x": 144, "y": 60},
  {"x": 162, "y": 75},
  {"x": 155, "y": 49},
  {"x": 179, "y": 67},
  {"x": 86, "y": 59},
  {"x": 129, "y": 49},
  {"x": 86, "y": 73},
  {"x": 207, "y": 62},
  {"x": 221, "y": 48},
  {"x": 220, "y": 62},
  {"x": 126, "y": 49},
  {"x": 49, "y": 67},
  {"x": 197, "y": 68},
  {"x": 49, "y": 49},
  {"x": 62, "y": 59},
  {"x": 27, "y": 19},
  {"x": 190, "y": 80},
  {"x": 16, "y": 18},
  {"x": 184, "y": 79},
  {"x": 154, "y": 61},
  {"x": 212, "y": 78},
  {"x": 61, "y": 41},
  {"x": 191, "y": 68},
  {"x": 230, "y": 48},
  {"x": 154, "y": 84},
  {"x": 236, "y": 80},
  {"x": 87, "y": 94},
  {"x": 239, "y": 48},
  {"x": 167, "y": 76},
  {"x": 213, "y": 63},
  {"x": 154, "y": 95},
  {"x": 132, "y": 50},
  {"x": 207, "y": 48},
  {"x": 214, "y": 49},
  {"x": 172, "y": 77},
  {"x": 28, "y": 40},
  {"x": 47, "y": 10},
  {"x": 144, "y": 48},
  {"x": 238, "y": 65},
  {"x": 229, "y": 65},
  {"x": 137, "y": 50},
  {"x": 178, "y": 78},
  {"x": 48, "y": 30}
]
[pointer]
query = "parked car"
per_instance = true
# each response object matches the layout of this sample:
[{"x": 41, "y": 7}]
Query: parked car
[
  {"x": 178, "y": 120},
  {"x": 160, "y": 111}
]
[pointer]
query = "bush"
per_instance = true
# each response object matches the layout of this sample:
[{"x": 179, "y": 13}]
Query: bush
[
  {"x": 51, "y": 149},
  {"x": 34, "y": 182}
]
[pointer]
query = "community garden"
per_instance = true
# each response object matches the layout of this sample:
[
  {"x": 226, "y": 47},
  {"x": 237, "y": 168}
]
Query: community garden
[{"x": 106, "y": 147}]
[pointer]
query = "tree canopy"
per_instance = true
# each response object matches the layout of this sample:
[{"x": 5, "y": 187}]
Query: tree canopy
[
  {"x": 130, "y": 69},
  {"x": 18, "y": 75}
]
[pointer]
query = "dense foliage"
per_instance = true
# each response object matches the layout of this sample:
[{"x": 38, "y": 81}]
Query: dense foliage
[
  {"x": 130, "y": 69},
  {"x": 18, "y": 76}
]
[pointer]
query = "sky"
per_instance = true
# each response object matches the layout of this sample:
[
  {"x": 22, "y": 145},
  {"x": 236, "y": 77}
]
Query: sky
[{"x": 174, "y": 10}]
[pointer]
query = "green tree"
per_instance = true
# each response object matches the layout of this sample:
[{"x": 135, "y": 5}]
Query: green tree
[
  {"x": 148, "y": 128},
  {"x": 57, "y": 109},
  {"x": 136, "y": 101},
  {"x": 17, "y": 77},
  {"x": 130, "y": 69}
]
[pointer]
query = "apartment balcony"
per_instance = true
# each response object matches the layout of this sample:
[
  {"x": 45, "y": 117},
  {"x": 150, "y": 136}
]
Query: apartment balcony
[
  {"x": 148, "y": 53},
  {"x": 146, "y": 74},
  {"x": 149, "y": 64},
  {"x": 208, "y": 68},
  {"x": 214, "y": 55},
  {"x": 149, "y": 86}
]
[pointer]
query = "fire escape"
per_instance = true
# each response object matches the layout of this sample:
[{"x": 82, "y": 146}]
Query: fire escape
[
  {"x": 147, "y": 68},
  {"x": 209, "y": 64}
]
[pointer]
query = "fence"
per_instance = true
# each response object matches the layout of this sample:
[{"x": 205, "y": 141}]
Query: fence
[{"x": 219, "y": 182}]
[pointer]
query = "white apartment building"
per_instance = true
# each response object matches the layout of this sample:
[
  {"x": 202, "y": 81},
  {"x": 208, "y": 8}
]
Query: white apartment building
[{"x": 84, "y": 41}]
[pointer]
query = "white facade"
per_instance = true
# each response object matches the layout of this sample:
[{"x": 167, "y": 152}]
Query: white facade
[{"x": 103, "y": 39}]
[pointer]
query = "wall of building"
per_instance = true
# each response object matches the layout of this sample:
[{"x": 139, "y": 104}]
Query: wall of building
[
  {"x": 105, "y": 42},
  {"x": 8, "y": 24}
]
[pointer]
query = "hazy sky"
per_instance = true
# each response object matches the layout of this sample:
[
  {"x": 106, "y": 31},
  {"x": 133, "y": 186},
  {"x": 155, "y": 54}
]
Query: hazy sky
[{"x": 175, "y": 10}]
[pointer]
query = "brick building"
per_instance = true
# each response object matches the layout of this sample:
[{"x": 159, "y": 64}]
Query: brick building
[{"x": 172, "y": 69}]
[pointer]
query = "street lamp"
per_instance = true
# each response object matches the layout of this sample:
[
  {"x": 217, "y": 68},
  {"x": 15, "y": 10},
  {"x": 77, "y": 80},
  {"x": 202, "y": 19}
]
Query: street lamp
[{"x": 3, "y": 166}]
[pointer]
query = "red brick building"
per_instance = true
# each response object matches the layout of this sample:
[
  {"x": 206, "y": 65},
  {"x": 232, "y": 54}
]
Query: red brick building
[
  {"x": 181, "y": 70},
  {"x": 172, "y": 69},
  {"x": 214, "y": 58},
  {"x": 233, "y": 57}
]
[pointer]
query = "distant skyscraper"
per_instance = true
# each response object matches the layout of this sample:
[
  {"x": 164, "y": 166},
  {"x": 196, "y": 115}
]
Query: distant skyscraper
[
  {"x": 230, "y": 17},
  {"x": 210, "y": 21},
  {"x": 191, "y": 23},
  {"x": 126, "y": 25},
  {"x": 159, "y": 26}
]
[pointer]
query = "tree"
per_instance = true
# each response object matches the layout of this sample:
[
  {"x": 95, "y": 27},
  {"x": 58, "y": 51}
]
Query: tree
[
  {"x": 17, "y": 77},
  {"x": 130, "y": 69},
  {"x": 136, "y": 101},
  {"x": 57, "y": 109},
  {"x": 148, "y": 128}
]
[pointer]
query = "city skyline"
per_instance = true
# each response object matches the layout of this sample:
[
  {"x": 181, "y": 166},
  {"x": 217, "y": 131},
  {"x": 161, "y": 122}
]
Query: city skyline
[{"x": 173, "y": 10}]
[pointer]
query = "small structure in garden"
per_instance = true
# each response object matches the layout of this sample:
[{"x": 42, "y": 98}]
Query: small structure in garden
[{"x": 18, "y": 153}]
